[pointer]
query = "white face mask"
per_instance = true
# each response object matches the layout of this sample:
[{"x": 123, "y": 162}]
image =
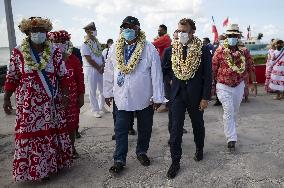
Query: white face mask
[
  {"x": 183, "y": 38},
  {"x": 38, "y": 38},
  {"x": 94, "y": 33}
]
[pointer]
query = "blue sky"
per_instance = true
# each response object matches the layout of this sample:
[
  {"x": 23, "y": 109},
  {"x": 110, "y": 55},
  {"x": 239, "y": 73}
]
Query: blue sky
[{"x": 72, "y": 15}]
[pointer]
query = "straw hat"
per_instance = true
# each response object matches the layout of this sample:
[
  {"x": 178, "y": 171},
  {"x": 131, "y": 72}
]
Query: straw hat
[{"x": 233, "y": 29}]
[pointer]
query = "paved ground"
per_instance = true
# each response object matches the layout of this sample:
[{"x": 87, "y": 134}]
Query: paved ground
[{"x": 257, "y": 162}]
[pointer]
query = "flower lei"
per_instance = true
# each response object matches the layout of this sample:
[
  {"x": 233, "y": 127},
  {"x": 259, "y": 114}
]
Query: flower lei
[
  {"x": 44, "y": 59},
  {"x": 134, "y": 59},
  {"x": 230, "y": 61},
  {"x": 89, "y": 42},
  {"x": 185, "y": 69}
]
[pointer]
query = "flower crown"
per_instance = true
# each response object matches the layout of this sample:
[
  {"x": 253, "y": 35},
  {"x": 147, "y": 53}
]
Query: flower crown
[
  {"x": 62, "y": 35},
  {"x": 27, "y": 24}
]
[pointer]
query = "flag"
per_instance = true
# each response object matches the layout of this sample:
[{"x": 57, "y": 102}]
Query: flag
[
  {"x": 214, "y": 31},
  {"x": 226, "y": 22}
]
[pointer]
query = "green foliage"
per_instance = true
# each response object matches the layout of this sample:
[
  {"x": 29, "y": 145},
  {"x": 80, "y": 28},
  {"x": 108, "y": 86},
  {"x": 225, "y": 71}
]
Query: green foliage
[{"x": 259, "y": 59}]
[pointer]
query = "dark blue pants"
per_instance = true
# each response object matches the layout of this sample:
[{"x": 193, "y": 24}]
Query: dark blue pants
[
  {"x": 144, "y": 129},
  {"x": 179, "y": 105},
  {"x": 114, "y": 112}
]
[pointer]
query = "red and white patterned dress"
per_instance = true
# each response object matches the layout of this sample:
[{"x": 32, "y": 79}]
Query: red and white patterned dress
[
  {"x": 277, "y": 74},
  {"x": 75, "y": 88},
  {"x": 268, "y": 69},
  {"x": 42, "y": 143}
]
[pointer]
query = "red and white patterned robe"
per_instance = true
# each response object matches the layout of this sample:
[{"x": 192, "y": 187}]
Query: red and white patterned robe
[
  {"x": 277, "y": 73},
  {"x": 76, "y": 87},
  {"x": 42, "y": 143}
]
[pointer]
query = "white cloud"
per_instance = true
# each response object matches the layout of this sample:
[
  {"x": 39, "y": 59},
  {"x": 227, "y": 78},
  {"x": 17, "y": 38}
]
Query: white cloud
[{"x": 109, "y": 14}]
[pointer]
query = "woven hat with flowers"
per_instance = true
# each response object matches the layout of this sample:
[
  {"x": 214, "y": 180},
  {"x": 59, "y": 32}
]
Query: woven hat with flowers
[{"x": 33, "y": 22}]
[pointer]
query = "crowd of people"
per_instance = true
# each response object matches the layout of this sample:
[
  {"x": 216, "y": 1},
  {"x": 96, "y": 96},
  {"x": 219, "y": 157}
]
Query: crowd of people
[{"x": 46, "y": 73}]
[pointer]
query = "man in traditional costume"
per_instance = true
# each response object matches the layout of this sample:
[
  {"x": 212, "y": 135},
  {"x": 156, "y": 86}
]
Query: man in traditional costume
[
  {"x": 133, "y": 77},
  {"x": 38, "y": 77},
  {"x": 190, "y": 72},
  {"x": 231, "y": 66},
  {"x": 76, "y": 88},
  {"x": 94, "y": 67}
]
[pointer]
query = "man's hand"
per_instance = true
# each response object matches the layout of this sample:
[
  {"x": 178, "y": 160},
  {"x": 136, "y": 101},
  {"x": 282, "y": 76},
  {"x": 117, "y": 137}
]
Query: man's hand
[
  {"x": 253, "y": 89},
  {"x": 101, "y": 68},
  {"x": 108, "y": 101},
  {"x": 7, "y": 106},
  {"x": 156, "y": 106},
  {"x": 81, "y": 100},
  {"x": 203, "y": 105}
]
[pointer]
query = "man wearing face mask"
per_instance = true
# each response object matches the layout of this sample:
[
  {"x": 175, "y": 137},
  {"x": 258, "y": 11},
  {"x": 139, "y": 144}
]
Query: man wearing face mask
[
  {"x": 231, "y": 66},
  {"x": 93, "y": 68},
  {"x": 38, "y": 77},
  {"x": 190, "y": 72},
  {"x": 133, "y": 78}
]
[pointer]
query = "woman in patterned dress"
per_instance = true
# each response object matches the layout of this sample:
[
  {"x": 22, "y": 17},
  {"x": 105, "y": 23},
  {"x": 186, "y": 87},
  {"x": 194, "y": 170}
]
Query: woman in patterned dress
[
  {"x": 277, "y": 73},
  {"x": 76, "y": 89},
  {"x": 269, "y": 63},
  {"x": 37, "y": 75}
]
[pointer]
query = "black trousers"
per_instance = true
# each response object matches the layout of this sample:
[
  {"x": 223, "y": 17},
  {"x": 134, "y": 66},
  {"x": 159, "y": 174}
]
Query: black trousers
[{"x": 181, "y": 103}]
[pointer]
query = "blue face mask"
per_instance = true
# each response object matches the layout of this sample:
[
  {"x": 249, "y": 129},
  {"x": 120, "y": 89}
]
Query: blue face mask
[
  {"x": 38, "y": 38},
  {"x": 232, "y": 41},
  {"x": 129, "y": 34}
]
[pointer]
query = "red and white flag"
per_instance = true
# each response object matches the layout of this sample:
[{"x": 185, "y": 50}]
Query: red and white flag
[
  {"x": 214, "y": 31},
  {"x": 226, "y": 22}
]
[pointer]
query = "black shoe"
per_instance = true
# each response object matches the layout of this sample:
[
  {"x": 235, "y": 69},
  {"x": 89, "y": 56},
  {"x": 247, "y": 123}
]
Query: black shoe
[
  {"x": 132, "y": 132},
  {"x": 198, "y": 156},
  {"x": 184, "y": 131},
  {"x": 143, "y": 159},
  {"x": 173, "y": 170},
  {"x": 113, "y": 137},
  {"x": 116, "y": 168},
  {"x": 78, "y": 135},
  {"x": 75, "y": 155},
  {"x": 231, "y": 145},
  {"x": 45, "y": 179}
]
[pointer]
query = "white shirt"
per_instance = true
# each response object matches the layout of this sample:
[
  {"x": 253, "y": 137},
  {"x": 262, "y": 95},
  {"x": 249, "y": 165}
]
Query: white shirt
[
  {"x": 86, "y": 50},
  {"x": 105, "y": 53},
  {"x": 141, "y": 86}
]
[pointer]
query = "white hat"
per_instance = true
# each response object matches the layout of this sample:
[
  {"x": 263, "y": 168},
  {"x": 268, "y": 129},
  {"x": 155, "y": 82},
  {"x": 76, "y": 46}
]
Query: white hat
[{"x": 233, "y": 29}]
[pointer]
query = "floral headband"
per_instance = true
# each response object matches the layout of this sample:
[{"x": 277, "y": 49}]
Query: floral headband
[{"x": 62, "y": 35}]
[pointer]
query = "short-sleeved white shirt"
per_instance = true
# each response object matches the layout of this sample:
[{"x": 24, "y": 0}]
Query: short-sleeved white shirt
[{"x": 86, "y": 50}]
